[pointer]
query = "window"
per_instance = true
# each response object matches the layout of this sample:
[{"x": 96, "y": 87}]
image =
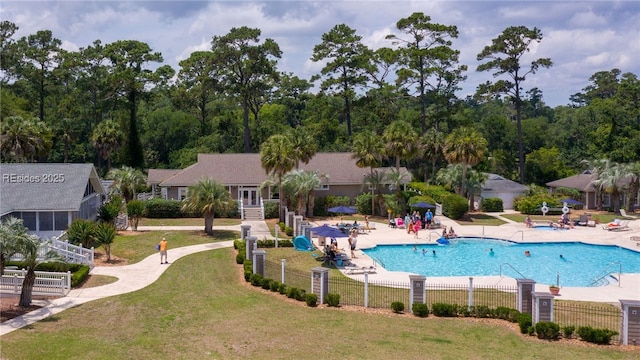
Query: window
[
  {"x": 29, "y": 220},
  {"x": 163, "y": 193},
  {"x": 323, "y": 187},
  {"x": 61, "y": 219},
  {"x": 46, "y": 221},
  {"x": 182, "y": 193},
  {"x": 606, "y": 200}
]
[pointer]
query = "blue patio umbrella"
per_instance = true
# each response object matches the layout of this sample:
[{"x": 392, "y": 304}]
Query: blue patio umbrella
[
  {"x": 571, "y": 202},
  {"x": 328, "y": 231},
  {"x": 422, "y": 204},
  {"x": 342, "y": 210}
]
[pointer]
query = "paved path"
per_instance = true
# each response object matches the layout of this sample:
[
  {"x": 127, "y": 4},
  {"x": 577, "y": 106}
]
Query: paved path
[{"x": 130, "y": 277}]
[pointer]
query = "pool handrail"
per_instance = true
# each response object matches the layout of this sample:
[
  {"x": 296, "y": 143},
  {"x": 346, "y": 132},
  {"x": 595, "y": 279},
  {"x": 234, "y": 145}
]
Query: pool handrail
[
  {"x": 606, "y": 272},
  {"x": 514, "y": 269},
  {"x": 521, "y": 235},
  {"x": 434, "y": 232}
]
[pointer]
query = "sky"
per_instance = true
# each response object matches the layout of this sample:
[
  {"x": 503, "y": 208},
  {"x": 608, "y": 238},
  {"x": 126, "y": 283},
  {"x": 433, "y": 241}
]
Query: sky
[{"x": 580, "y": 37}]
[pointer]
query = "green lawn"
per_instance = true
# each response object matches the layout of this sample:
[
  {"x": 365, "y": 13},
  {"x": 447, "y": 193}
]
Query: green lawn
[
  {"x": 139, "y": 245},
  {"x": 201, "y": 309},
  {"x": 480, "y": 219},
  {"x": 187, "y": 222}
]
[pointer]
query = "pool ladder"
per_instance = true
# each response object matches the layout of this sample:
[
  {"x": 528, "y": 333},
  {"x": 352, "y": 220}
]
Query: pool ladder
[
  {"x": 512, "y": 268},
  {"x": 607, "y": 272}
]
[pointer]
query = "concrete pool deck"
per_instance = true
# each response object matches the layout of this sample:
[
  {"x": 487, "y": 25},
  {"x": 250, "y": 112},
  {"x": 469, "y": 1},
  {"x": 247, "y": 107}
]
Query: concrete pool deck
[{"x": 627, "y": 288}]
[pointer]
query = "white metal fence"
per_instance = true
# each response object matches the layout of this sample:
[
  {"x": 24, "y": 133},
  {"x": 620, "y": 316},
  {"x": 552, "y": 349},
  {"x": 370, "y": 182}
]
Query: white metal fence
[{"x": 47, "y": 283}]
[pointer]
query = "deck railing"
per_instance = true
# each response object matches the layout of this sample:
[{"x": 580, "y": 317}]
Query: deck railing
[{"x": 47, "y": 283}]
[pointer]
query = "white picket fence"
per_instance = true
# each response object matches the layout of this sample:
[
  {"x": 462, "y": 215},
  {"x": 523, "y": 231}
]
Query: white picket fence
[
  {"x": 68, "y": 252},
  {"x": 47, "y": 283}
]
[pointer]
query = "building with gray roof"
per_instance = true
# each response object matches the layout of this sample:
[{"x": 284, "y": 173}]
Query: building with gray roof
[{"x": 48, "y": 197}]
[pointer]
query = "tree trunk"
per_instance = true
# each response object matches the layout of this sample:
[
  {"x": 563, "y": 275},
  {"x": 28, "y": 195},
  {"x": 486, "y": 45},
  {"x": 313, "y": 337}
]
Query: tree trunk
[
  {"x": 247, "y": 131},
  {"x": 208, "y": 224},
  {"x": 27, "y": 288}
]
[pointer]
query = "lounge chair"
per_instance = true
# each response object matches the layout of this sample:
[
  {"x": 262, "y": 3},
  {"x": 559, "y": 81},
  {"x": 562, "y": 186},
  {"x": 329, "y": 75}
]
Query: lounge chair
[
  {"x": 623, "y": 212},
  {"x": 355, "y": 270},
  {"x": 584, "y": 220},
  {"x": 617, "y": 225}
]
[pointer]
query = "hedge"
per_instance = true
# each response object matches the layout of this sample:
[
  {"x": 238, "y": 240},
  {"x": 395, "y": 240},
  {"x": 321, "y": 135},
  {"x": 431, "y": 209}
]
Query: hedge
[{"x": 455, "y": 206}]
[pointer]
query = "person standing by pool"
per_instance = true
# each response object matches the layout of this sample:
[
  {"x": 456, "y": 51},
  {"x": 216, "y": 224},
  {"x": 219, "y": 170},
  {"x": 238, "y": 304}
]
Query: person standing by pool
[
  {"x": 416, "y": 227},
  {"x": 429, "y": 217}
]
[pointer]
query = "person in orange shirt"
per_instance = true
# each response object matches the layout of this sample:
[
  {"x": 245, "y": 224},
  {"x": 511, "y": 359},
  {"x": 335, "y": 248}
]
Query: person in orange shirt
[{"x": 163, "y": 251}]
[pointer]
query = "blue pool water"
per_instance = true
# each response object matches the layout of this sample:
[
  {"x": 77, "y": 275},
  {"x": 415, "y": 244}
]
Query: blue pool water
[{"x": 580, "y": 266}]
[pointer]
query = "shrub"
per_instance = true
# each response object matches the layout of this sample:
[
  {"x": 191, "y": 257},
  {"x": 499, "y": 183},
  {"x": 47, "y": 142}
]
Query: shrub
[
  {"x": 311, "y": 300},
  {"x": 248, "y": 265},
  {"x": 332, "y": 299},
  {"x": 288, "y": 230},
  {"x": 240, "y": 258},
  {"x": 420, "y": 310},
  {"x": 455, "y": 206},
  {"x": 163, "y": 209},
  {"x": 266, "y": 283},
  {"x": 282, "y": 289},
  {"x": 482, "y": 311},
  {"x": 596, "y": 336},
  {"x": 397, "y": 307},
  {"x": 301, "y": 295},
  {"x": 436, "y": 192},
  {"x": 492, "y": 205},
  {"x": 135, "y": 210},
  {"x": 502, "y": 312},
  {"x": 82, "y": 232},
  {"x": 272, "y": 243},
  {"x": 271, "y": 210},
  {"x": 292, "y": 292},
  {"x": 531, "y": 205},
  {"x": 282, "y": 226},
  {"x": 513, "y": 315},
  {"x": 547, "y": 330},
  {"x": 80, "y": 275},
  {"x": 256, "y": 279},
  {"x": 444, "y": 310},
  {"x": 247, "y": 276},
  {"x": 274, "y": 285},
  {"x": 363, "y": 203},
  {"x": 524, "y": 322},
  {"x": 568, "y": 331}
]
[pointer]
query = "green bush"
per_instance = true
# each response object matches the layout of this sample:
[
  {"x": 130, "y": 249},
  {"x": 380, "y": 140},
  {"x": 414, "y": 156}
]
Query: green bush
[
  {"x": 455, "y": 206},
  {"x": 282, "y": 225},
  {"x": 596, "y": 336},
  {"x": 274, "y": 285},
  {"x": 256, "y": 279},
  {"x": 282, "y": 289},
  {"x": 135, "y": 210},
  {"x": 332, "y": 299},
  {"x": 420, "y": 310},
  {"x": 80, "y": 275},
  {"x": 568, "y": 331},
  {"x": 288, "y": 230},
  {"x": 311, "y": 299},
  {"x": 163, "y": 209},
  {"x": 436, "y": 192},
  {"x": 363, "y": 203},
  {"x": 248, "y": 266},
  {"x": 301, "y": 295},
  {"x": 444, "y": 310},
  {"x": 547, "y": 330},
  {"x": 247, "y": 275},
  {"x": 271, "y": 210},
  {"x": 293, "y": 292},
  {"x": 524, "y": 322},
  {"x": 240, "y": 258},
  {"x": 483, "y": 311},
  {"x": 272, "y": 243},
  {"x": 397, "y": 307},
  {"x": 492, "y": 205},
  {"x": 266, "y": 283},
  {"x": 532, "y": 204},
  {"x": 82, "y": 232}
]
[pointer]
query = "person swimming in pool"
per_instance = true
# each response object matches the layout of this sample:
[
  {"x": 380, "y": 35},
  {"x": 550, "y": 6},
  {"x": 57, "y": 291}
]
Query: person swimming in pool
[
  {"x": 424, "y": 251},
  {"x": 491, "y": 253},
  {"x": 527, "y": 253},
  {"x": 434, "y": 252}
]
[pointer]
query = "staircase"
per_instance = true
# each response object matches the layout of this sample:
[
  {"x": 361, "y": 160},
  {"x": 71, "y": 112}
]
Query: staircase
[{"x": 252, "y": 213}]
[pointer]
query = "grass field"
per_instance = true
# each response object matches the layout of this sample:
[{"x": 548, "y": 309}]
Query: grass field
[
  {"x": 187, "y": 222},
  {"x": 200, "y": 308}
]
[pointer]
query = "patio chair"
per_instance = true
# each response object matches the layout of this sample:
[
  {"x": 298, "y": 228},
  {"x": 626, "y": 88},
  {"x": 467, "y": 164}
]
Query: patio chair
[
  {"x": 584, "y": 220},
  {"x": 623, "y": 212},
  {"x": 621, "y": 226}
]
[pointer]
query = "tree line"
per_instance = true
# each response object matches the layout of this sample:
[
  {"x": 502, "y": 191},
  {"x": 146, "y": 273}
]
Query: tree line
[{"x": 118, "y": 104}]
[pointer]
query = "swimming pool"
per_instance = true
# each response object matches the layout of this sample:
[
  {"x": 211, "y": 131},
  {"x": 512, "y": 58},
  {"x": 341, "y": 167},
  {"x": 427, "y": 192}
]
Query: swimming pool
[{"x": 579, "y": 265}]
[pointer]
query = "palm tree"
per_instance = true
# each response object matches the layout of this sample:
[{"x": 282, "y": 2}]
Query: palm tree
[
  {"x": 28, "y": 247},
  {"x": 10, "y": 229},
  {"x": 278, "y": 158},
  {"x": 207, "y": 196},
  {"x": 597, "y": 167},
  {"x": 450, "y": 177},
  {"x": 368, "y": 151},
  {"x": 430, "y": 147},
  {"x": 24, "y": 140},
  {"x": 105, "y": 233},
  {"x": 127, "y": 181},
  {"x": 400, "y": 141},
  {"x": 466, "y": 146},
  {"x": 303, "y": 145},
  {"x": 301, "y": 185},
  {"x": 634, "y": 185},
  {"x": 608, "y": 181},
  {"x": 395, "y": 179},
  {"x": 107, "y": 138},
  {"x": 375, "y": 180}
]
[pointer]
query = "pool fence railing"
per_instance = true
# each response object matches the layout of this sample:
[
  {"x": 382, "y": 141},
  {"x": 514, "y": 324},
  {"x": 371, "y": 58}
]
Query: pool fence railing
[{"x": 366, "y": 292}]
